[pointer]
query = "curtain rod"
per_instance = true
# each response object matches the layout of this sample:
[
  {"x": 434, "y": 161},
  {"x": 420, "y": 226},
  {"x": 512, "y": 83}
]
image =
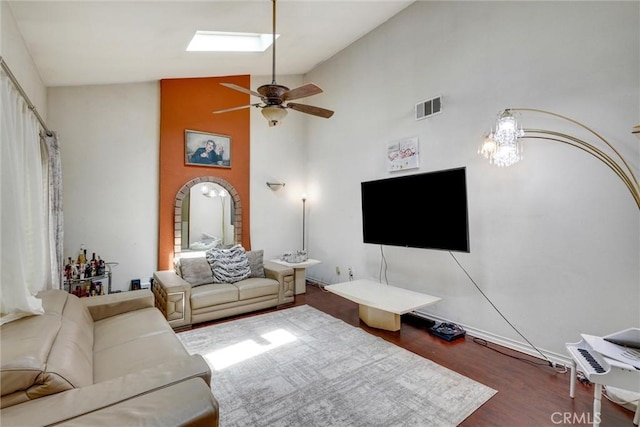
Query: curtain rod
[{"x": 32, "y": 107}]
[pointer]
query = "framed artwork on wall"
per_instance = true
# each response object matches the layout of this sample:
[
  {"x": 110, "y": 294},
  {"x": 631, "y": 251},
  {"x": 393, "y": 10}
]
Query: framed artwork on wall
[
  {"x": 135, "y": 285},
  {"x": 403, "y": 154},
  {"x": 207, "y": 149}
]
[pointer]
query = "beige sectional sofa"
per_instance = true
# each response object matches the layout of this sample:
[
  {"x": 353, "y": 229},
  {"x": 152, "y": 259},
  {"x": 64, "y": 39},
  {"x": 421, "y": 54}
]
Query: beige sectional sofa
[
  {"x": 189, "y": 294},
  {"x": 101, "y": 361}
]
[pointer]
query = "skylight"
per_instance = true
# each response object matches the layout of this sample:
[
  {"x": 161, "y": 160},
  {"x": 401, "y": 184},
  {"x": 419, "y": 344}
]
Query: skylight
[{"x": 218, "y": 41}]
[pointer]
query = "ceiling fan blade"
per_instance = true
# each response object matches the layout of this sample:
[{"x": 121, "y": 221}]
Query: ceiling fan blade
[
  {"x": 226, "y": 110},
  {"x": 301, "y": 92},
  {"x": 241, "y": 89},
  {"x": 310, "y": 109}
]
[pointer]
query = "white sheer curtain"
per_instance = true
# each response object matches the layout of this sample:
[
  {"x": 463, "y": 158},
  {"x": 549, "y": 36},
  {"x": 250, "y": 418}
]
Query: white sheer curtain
[
  {"x": 25, "y": 239},
  {"x": 53, "y": 197}
]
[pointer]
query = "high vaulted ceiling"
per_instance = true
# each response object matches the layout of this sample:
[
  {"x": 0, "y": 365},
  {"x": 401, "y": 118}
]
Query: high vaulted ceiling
[{"x": 101, "y": 42}]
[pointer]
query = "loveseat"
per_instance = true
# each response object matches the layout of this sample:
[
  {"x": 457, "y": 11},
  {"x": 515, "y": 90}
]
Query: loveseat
[
  {"x": 200, "y": 289},
  {"x": 101, "y": 361}
]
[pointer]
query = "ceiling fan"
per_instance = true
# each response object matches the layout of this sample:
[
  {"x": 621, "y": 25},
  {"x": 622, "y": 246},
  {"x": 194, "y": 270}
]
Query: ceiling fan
[{"x": 275, "y": 98}]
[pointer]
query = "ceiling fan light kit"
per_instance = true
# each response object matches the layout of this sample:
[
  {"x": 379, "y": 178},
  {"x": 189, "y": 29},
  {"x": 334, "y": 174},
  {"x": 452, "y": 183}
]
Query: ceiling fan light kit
[
  {"x": 274, "y": 114},
  {"x": 275, "y": 98}
]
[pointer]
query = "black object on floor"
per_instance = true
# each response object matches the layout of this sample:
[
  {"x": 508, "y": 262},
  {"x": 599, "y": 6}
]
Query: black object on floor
[
  {"x": 447, "y": 331},
  {"x": 417, "y": 319}
]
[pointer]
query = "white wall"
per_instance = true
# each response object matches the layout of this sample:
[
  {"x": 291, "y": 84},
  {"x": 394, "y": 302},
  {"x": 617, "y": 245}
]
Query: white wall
[
  {"x": 109, "y": 140},
  {"x": 278, "y": 154},
  {"x": 110, "y": 135},
  {"x": 554, "y": 239},
  {"x": 15, "y": 53}
]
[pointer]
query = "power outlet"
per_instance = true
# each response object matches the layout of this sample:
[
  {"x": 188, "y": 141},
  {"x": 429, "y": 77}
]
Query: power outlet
[
  {"x": 350, "y": 273},
  {"x": 337, "y": 270}
]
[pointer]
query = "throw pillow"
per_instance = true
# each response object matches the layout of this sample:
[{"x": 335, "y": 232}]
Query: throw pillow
[
  {"x": 228, "y": 265},
  {"x": 196, "y": 271},
  {"x": 256, "y": 263},
  {"x": 176, "y": 266}
]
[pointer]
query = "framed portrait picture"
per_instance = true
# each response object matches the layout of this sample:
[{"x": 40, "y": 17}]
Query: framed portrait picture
[{"x": 207, "y": 149}]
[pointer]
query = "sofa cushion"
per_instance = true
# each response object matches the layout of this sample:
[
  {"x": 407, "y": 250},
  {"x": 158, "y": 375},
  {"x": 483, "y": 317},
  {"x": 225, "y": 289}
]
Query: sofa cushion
[
  {"x": 72, "y": 353},
  {"x": 213, "y": 294},
  {"x": 133, "y": 341},
  {"x": 257, "y": 287},
  {"x": 196, "y": 271},
  {"x": 50, "y": 353},
  {"x": 256, "y": 264},
  {"x": 228, "y": 265},
  {"x": 25, "y": 360}
]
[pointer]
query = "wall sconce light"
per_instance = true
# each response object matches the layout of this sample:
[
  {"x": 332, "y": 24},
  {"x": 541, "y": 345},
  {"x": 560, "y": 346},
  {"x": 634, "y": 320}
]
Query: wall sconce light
[
  {"x": 503, "y": 147},
  {"x": 275, "y": 186}
]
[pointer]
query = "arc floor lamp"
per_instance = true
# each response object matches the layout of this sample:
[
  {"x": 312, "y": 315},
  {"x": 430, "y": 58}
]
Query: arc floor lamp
[
  {"x": 503, "y": 145},
  {"x": 304, "y": 210}
]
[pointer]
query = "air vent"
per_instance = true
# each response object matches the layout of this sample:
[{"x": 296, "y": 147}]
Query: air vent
[{"x": 428, "y": 108}]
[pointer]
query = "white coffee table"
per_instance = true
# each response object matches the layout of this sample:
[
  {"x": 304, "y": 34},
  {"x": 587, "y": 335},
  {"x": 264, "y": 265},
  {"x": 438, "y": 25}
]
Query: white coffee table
[
  {"x": 380, "y": 306},
  {"x": 299, "y": 272}
]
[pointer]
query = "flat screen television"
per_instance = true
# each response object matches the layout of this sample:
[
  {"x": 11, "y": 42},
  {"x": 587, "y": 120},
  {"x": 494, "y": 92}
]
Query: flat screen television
[{"x": 426, "y": 210}]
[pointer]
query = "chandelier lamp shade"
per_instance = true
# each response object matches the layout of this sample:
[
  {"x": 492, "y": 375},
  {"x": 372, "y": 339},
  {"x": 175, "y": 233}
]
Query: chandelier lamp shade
[
  {"x": 274, "y": 114},
  {"x": 503, "y": 145}
]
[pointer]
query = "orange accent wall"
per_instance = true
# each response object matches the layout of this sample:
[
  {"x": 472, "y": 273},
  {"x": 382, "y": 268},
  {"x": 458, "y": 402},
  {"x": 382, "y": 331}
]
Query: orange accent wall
[{"x": 187, "y": 104}]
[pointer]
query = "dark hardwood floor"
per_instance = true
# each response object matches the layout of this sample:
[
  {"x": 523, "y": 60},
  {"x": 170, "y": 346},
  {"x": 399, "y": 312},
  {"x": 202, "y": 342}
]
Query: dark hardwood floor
[{"x": 530, "y": 392}]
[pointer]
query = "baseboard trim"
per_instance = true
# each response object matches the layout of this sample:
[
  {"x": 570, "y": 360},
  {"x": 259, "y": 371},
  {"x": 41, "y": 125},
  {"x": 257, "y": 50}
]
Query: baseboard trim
[
  {"x": 509, "y": 343},
  {"x": 318, "y": 282}
]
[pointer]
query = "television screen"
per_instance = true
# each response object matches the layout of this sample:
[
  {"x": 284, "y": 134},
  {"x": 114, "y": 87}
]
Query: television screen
[{"x": 425, "y": 210}]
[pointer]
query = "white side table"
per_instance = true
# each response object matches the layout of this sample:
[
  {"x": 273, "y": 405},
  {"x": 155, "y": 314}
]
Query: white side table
[{"x": 299, "y": 273}]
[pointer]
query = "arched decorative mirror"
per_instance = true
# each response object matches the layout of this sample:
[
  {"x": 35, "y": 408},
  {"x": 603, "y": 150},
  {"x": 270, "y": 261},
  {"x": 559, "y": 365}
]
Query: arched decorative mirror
[{"x": 207, "y": 214}]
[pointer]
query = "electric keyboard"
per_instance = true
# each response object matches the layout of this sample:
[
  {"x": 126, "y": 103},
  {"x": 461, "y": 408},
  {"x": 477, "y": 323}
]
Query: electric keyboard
[
  {"x": 601, "y": 370},
  {"x": 593, "y": 362}
]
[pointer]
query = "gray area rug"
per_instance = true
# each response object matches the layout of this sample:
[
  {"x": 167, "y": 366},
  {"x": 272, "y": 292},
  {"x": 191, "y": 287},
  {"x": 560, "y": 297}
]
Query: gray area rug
[{"x": 303, "y": 367}]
